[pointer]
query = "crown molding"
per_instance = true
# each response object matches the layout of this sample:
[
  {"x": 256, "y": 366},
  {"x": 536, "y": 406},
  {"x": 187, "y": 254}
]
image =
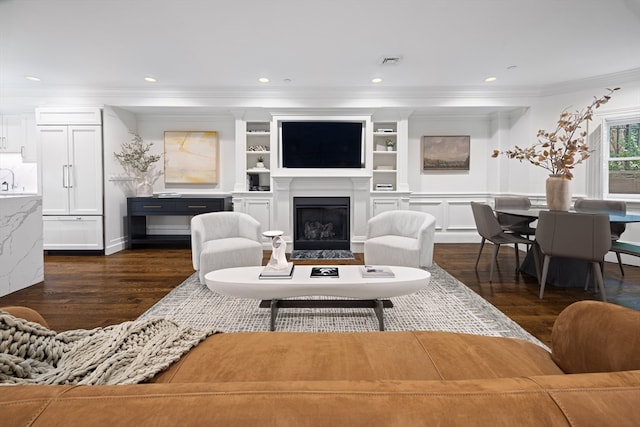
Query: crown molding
[
  {"x": 286, "y": 98},
  {"x": 608, "y": 80}
]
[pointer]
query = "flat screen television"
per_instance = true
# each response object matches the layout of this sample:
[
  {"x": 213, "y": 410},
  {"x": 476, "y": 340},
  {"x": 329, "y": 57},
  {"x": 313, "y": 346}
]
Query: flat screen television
[{"x": 322, "y": 144}]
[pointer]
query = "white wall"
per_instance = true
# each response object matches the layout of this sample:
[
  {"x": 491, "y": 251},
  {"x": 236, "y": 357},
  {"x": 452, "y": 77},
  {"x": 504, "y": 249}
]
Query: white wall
[
  {"x": 116, "y": 124},
  {"x": 151, "y": 128},
  {"x": 474, "y": 180}
]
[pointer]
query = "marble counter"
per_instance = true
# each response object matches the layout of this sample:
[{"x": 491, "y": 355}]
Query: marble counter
[{"x": 21, "y": 253}]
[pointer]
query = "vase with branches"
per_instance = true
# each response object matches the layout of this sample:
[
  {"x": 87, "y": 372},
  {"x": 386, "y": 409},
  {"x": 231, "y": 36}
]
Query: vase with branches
[
  {"x": 560, "y": 150},
  {"x": 137, "y": 161}
]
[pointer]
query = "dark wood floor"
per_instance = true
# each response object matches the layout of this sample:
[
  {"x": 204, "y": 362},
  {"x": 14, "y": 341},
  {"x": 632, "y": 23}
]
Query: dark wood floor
[{"x": 93, "y": 291}]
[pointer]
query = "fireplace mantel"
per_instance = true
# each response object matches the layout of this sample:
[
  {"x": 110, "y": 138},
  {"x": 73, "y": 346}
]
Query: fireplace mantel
[
  {"x": 321, "y": 173},
  {"x": 285, "y": 188}
]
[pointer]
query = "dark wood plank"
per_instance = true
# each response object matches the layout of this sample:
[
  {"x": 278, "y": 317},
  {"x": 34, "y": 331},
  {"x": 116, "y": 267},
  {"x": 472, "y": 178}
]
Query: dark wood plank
[{"x": 89, "y": 291}]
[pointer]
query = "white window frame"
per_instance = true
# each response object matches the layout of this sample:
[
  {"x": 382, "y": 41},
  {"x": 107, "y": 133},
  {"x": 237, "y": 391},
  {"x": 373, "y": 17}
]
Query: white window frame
[
  {"x": 598, "y": 165},
  {"x": 621, "y": 120}
]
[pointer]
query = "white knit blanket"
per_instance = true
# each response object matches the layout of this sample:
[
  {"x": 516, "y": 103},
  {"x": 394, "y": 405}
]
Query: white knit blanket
[{"x": 127, "y": 353}]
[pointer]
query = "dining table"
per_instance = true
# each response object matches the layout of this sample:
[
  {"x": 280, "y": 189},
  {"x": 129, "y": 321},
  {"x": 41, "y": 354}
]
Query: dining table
[
  {"x": 533, "y": 213},
  {"x": 563, "y": 272}
]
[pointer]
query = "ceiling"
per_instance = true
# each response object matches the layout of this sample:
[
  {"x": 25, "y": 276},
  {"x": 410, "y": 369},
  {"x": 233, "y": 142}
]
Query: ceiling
[{"x": 226, "y": 45}]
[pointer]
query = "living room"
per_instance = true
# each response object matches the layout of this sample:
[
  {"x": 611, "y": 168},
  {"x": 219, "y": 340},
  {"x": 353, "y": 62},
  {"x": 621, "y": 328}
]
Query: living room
[{"x": 433, "y": 65}]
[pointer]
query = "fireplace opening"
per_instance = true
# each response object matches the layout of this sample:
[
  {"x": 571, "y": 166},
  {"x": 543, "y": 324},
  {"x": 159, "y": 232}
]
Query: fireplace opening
[{"x": 321, "y": 223}]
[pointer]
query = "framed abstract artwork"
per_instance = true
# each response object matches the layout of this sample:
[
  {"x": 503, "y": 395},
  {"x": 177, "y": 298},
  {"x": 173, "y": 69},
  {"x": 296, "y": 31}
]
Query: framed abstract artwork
[
  {"x": 445, "y": 153},
  {"x": 191, "y": 157}
]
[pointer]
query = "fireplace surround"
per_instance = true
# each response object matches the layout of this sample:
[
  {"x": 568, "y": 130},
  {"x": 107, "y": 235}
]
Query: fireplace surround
[{"x": 321, "y": 223}]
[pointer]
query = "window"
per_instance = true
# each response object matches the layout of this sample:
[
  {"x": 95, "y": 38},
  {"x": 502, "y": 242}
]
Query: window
[{"x": 624, "y": 157}]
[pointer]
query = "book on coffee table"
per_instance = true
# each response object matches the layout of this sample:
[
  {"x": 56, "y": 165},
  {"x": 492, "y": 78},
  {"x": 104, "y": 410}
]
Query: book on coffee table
[
  {"x": 376, "y": 271},
  {"x": 269, "y": 272},
  {"x": 324, "y": 272}
]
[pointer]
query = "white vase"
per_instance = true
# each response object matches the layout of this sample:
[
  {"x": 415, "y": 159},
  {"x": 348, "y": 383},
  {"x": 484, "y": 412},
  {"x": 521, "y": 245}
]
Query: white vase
[
  {"x": 144, "y": 188},
  {"x": 558, "y": 191}
]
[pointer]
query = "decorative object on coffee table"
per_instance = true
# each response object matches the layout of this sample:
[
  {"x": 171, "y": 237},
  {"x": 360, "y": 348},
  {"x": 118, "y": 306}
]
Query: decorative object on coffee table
[
  {"x": 278, "y": 260},
  {"x": 325, "y": 272}
]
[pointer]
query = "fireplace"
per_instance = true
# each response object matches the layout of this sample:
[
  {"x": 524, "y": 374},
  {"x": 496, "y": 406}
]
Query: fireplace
[{"x": 321, "y": 223}]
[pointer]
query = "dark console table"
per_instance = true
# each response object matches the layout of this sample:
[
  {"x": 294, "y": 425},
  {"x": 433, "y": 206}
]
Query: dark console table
[{"x": 139, "y": 208}]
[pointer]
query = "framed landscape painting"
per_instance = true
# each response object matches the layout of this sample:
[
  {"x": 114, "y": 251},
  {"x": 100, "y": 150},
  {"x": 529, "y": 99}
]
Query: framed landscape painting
[
  {"x": 445, "y": 153},
  {"x": 191, "y": 157}
]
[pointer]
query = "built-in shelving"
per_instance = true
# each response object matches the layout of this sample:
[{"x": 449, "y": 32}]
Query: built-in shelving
[
  {"x": 258, "y": 147},
  {"x": 385, "y": 161}
]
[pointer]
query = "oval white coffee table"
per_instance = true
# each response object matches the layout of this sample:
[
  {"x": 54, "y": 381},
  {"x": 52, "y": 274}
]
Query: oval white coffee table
[{"x": 244, "y": 282}]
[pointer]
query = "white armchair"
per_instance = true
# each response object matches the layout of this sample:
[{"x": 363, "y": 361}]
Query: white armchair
[
  {"x": 224, "y": 240},
  {"x": 400, "y": 237}
]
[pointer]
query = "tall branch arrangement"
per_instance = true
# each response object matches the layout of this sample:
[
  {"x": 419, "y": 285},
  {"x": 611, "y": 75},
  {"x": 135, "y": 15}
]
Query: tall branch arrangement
[
  {"x": 135, "y": 155},
  {"x": 564, "y": 148}
]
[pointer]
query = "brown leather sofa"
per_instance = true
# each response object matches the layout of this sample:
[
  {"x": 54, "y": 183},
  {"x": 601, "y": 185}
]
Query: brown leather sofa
[{"x": 591, "y": 378}]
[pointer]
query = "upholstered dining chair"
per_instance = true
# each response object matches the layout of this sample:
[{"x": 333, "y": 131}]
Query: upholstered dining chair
[
  {"x": 581, "y": 236},
  {"x": 400, "y": 237},
  {"x": 606, "y": 206},
  {"x": 489, "y": 229},
  {"x": 514, "y": 223},
  {"x": 224, "y": 240}
]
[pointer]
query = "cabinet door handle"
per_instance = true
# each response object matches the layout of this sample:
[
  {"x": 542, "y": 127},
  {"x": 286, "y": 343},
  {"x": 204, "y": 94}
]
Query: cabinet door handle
[
  {"x": 151, "y": 206},
  {"x": 70, "y": 176},
  {"x": 196, "y": 206},
  {"x": 64, "y": 176}
]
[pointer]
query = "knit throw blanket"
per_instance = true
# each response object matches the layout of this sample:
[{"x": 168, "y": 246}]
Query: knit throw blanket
[{"x": 127, "y": 353}]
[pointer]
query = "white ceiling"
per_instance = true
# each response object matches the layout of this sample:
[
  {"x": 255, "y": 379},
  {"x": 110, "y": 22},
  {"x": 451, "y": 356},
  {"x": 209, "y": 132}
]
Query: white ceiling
[{"x": 209, "y": 45}]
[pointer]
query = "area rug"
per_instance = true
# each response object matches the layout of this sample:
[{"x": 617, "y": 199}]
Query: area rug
[
  {"x": 321, "y": 254},
  {"x": 445, "y": 305}
]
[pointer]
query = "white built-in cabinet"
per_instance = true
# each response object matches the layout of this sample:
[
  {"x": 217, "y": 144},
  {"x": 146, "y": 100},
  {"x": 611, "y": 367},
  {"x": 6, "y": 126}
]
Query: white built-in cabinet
[
  {"x": 384, "y": 178},
  {"x": 72, "y": 179},
  {"x": 17, "y": 135},
  {"x": 385, "y": 156},
  {"x": 11, "y": 133},
  {"x": 253, "y": 194},
  {"x": 258, "y": 147}
]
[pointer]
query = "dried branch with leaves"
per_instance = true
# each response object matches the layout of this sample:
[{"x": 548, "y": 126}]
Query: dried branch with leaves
[
  {"x": 135, "y": 155},
  {"x": 564, "y": 148}
]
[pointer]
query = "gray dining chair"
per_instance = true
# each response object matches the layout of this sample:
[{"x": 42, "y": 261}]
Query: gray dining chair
[
  {"x": 580, "y": 236},
  {"x": 514, "y": 223},
  {"x": 607, "y": 206},
  {"x": 489, "y": 229}
]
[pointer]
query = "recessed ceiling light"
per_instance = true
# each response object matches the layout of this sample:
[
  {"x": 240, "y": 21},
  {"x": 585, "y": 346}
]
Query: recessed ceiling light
[
  {"x": 32, "y": 78},
  {"x": 263, "y": 80},
  {"x": 376, "y": 80},
  {"x": 150, "y": 79},
  {"x": 490, "y": 79}
]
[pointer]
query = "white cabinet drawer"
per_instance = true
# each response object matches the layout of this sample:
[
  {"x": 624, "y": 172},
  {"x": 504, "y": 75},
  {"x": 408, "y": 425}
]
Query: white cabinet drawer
[{"x": 72, "y": 233}]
